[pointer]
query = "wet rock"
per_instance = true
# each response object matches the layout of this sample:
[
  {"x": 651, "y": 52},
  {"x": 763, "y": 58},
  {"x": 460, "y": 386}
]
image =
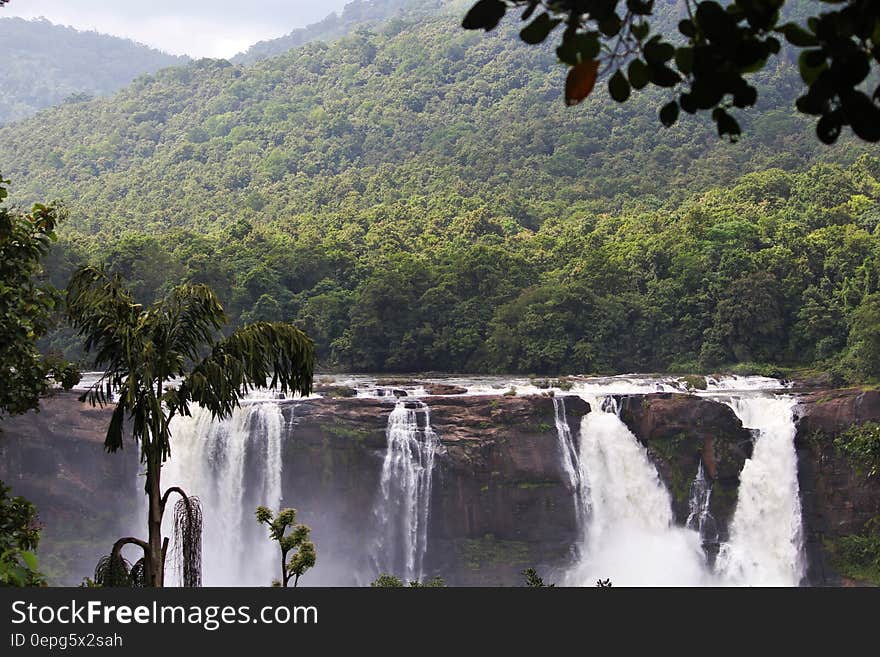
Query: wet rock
[
  {"x": 335, "y": 391},
  {"x": 85, "y": 498},
  {"x": 679, "y": 430},
  {"x": 832, "y": 411},
  {"x": 837, "y": 498},
  {"x": 390, "y": 392},
  {"x": 500, "y": 502},
  {"x": 440, "y": 389}
]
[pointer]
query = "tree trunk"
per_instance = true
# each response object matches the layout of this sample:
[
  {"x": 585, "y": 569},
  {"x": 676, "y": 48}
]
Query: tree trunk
[{"x": 156, "y": 562}]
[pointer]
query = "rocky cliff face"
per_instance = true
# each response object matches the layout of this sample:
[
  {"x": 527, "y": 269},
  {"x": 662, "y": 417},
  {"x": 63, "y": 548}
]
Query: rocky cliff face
[
  {"x": 838, "y": 498},
  {"x": 85, "y": 498},
  {"x": 680, "y": 431},
  {"x": 500, "y": 501},
  {"x": 499, "y": 504}
]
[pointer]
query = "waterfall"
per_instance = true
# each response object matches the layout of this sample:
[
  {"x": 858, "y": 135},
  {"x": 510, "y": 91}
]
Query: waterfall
[
  {"x": 233, "y": 466},
  {"x": 700, "y": 517},
  {"x": 402, "y": 508},
  {"x": 570, "y": 461},
  {"x": 629, "y": 536},
  {"x": 766, "y": 542},
  {"x": 567, "y": 449}
]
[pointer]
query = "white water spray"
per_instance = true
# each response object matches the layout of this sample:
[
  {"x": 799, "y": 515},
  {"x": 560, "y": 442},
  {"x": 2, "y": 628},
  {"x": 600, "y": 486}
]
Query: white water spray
[
  {"x": 630, "y": 536},
  {"x": 233, "y": 466},
  {"x": 402, "y": 509},
  {"x": 766, "y": 541}
]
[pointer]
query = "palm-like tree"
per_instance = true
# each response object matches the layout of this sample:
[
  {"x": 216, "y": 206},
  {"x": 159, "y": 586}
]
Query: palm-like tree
[{"x": 141, "y": 350}]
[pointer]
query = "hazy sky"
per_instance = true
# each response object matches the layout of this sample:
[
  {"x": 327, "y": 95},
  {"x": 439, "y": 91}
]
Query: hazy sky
[{"x": 199, "y": 28}]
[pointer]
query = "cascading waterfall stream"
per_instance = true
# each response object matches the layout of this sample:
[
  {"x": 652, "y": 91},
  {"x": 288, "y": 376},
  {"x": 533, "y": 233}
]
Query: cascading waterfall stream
[
  {"x": 766, "y": 537},
  {"x": 700, "y": 518},
  {"x": 233, "y": 466},
  {"x": 699, "y": 500},
  {"x": 629, "y": 536},
  {"x": 569, "y": 457},
  {"x": 402, "y": 509}
]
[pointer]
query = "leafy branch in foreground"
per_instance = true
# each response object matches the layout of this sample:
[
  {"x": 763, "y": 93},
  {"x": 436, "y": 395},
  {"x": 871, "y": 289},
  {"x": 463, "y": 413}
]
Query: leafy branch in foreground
[
  {"x": 27, "y": 306},
  {"x": 297, "y": 541},
  {"x": 154, "y": 368},
  {"x": 704, "y": 66},
  {"x": 19, "y": 537}
]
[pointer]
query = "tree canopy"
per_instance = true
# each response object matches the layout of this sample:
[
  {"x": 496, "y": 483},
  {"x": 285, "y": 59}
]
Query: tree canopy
[
  {"x": 412, "y": 199},
  {"x": 706, "y": 61},
  {"x": 27, "y": 306}
]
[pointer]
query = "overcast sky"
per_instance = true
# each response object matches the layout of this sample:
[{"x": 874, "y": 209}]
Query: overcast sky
[{"x": 199, "y": 28}]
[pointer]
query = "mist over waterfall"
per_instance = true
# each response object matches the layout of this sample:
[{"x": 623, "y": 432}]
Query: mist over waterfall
[
  {"x": 766, "y": 542},
  {"x": 630, "y": 535},
  {"x": 233, "y": 466},
  {"x": 402, "y": 507}
]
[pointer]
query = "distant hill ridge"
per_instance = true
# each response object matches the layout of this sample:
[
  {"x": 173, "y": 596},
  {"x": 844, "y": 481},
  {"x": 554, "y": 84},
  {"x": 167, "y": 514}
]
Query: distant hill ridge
[{"x": 44, "y": 64}]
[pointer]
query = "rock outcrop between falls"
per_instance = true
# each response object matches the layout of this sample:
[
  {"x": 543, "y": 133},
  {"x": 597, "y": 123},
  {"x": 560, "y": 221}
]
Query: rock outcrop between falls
[
  {"x": 681, "y": 430},
  {"x": 499, "y": 504}
]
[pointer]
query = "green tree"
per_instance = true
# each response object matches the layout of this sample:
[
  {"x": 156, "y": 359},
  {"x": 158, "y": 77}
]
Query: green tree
[
  {"x": 386, "y": 581},
  {"x": 533, "y": 580},
  {"x": 141, "y": 350},
  {"x": 864, "y": 338},
  {"x": 705, "y": 66},
  {"x": 19, "y": 537},
  {"x": 296, "y": 541},
  {"x": 27, "y": 306},
  {"x": 861, "y": 443}
]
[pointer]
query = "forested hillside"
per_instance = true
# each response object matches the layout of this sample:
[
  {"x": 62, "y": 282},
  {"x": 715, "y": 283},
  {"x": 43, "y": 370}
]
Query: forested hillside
[
  {"x": 418, "y": 197},
  {"x": 46, "y": 64}
]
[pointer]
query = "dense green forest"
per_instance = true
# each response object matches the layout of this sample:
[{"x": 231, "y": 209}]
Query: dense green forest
[
  {"x": 418, "y": 197},
  {"x": 46, "y": 64}
]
